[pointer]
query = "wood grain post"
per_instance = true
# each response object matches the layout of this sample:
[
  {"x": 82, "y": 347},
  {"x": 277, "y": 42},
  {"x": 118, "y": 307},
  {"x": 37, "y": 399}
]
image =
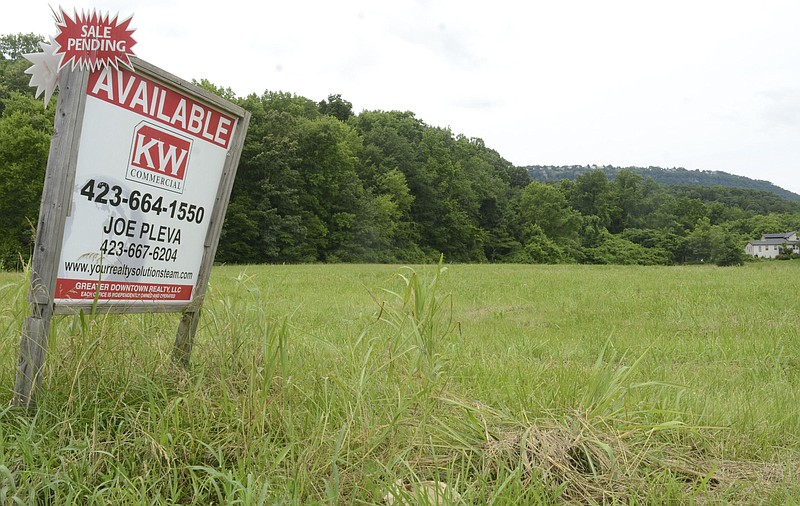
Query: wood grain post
[
  {"x": 184, "y": 340},
  {"x": 56, "y": 195}
]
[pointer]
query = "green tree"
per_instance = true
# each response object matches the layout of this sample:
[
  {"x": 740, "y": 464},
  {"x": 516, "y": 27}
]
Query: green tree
[
  {"x": 389, "y": 234},
  {"x": 519, "y": 177},
  {"x": 12, "y": 64},
  {"x": 263, "y": 223},
  {"x": 728, "y": 251},
  {"x": 714, "y": 243},
  {"x": 489, "y": 183},
  {"x": 331, "y": 192},
  {"x": 662, "y": 239},
  {"x": 614, "y": 249},
  {"x": 688, "y": 213},
  {"x": 221, "y": 92},
  {"x": 25, "y": 131},
  {"x": 12, "y": 47},
  {"x": 591, "y": 196},
  {"x": 540, "y": 249},
  {"x": 545, "y": 206},
  {"x": 626, "y": 197},
  {"x": 337, "y": 107},
  {"x": 754, "y": 226},
  {"x": 447, "y": 205},
  {"x": 701, "y": 241}
]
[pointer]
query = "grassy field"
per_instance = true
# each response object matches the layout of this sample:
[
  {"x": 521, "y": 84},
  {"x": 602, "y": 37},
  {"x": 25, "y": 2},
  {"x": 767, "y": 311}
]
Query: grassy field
[{"x": 363, "y": 384}]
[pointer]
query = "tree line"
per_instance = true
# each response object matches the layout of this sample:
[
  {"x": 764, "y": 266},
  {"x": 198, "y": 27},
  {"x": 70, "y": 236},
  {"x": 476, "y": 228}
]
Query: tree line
[
  {"x": 675, "y": 176},
  {"x": 318, "y": 182}
]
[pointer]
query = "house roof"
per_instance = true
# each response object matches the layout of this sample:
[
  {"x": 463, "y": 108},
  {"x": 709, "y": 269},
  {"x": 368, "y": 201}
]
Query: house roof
[
  {"x": 775, "y": 239},
  {"x": 783, "y": 235},
  {"x": 773, "y": 242}
]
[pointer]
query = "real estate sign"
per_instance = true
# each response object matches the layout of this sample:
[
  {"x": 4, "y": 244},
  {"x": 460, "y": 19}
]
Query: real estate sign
[
  {"x": 140, "y": 170},
  {"x": 149, "y": 165}
]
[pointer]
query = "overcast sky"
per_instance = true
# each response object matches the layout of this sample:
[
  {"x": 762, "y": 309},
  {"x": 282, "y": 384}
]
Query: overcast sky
[{"x": 710, "y": 85}]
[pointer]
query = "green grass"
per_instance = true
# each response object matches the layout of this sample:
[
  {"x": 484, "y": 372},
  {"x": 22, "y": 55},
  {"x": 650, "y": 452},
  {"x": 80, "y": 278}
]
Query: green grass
[{"x": 326, "y": 384}]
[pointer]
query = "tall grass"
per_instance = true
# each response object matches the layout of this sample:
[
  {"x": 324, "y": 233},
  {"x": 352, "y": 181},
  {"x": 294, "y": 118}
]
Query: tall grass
[{"x": 491, "y": 384}]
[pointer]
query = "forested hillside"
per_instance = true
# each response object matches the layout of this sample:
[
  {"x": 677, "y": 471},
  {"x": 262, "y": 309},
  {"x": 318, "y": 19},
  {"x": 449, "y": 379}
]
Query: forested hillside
[
  {"x": 318, "y": 182},
  {"x": 671, "y": 177}
]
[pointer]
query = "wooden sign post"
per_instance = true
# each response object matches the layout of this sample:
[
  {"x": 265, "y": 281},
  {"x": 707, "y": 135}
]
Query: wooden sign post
[{"x": 139, "y": 174}]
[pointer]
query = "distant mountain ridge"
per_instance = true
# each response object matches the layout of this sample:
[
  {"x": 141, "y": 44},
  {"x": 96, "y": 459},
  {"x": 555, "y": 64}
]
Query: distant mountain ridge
[{"x": 671, "y": 177}]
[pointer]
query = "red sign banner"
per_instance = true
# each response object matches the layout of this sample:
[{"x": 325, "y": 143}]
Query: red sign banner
[
  {"x": 80, "y": 289},
  {"x": 142, "y": 96}
]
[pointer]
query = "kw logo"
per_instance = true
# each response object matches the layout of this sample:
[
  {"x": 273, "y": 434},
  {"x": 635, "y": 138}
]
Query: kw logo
[{"x": 159, "y": 158}]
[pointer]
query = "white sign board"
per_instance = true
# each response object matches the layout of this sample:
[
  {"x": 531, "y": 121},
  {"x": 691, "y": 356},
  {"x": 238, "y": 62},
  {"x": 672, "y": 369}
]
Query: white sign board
[
  {"x": 149, "y": 165},
  {"x": 138, "y": 179}
]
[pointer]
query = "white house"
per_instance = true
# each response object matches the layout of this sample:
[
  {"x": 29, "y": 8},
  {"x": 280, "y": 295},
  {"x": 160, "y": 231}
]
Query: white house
[{"x": 769, "y": 245}]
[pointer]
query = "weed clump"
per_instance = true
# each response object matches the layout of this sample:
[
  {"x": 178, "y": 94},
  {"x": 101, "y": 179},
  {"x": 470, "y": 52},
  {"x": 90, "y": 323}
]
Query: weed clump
[{"x": 563, "y": 459}]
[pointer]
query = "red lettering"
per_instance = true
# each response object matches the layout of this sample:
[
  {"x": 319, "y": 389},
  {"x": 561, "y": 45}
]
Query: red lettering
[{"x": 134, "y": 92}]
